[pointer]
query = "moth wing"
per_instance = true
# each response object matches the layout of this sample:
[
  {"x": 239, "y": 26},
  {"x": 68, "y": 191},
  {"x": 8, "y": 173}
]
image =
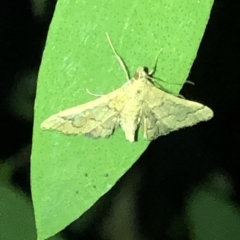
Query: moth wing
[
  {"x": 97, "y": 118},
  {"x": 164, "y": 113}
]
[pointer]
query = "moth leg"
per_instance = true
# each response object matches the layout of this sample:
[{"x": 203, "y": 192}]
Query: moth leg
[
  {"x": 93, "y": 94},
  {"x": 189, "y": 82},
  {"x": 120, "y": 60},
  {"x": 181, "y": 96}
]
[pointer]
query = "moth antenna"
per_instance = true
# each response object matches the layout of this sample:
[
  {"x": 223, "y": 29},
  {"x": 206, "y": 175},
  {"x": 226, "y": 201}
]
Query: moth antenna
[
  {"x": 155, "y": 63},
  {"x": 154, "y": 69},
  {"x": 120, "y": 60}
]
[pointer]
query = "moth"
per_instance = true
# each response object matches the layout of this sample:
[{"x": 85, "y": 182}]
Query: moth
[{"x": 137, "y": 104}]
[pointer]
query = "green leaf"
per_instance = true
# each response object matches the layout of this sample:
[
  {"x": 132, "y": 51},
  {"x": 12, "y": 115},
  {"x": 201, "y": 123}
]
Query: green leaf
[{"x": 70, "y": 173}]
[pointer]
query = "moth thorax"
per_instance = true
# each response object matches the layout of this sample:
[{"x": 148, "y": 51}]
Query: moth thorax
[{"x": 140, "y": 73}]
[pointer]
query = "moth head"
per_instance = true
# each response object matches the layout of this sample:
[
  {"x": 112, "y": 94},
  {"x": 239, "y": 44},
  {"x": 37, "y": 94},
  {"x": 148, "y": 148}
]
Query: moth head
[{"x": 142, "y": 72}]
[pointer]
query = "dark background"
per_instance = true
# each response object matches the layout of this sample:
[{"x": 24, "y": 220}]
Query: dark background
[{"x": 168, "y": 175}]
